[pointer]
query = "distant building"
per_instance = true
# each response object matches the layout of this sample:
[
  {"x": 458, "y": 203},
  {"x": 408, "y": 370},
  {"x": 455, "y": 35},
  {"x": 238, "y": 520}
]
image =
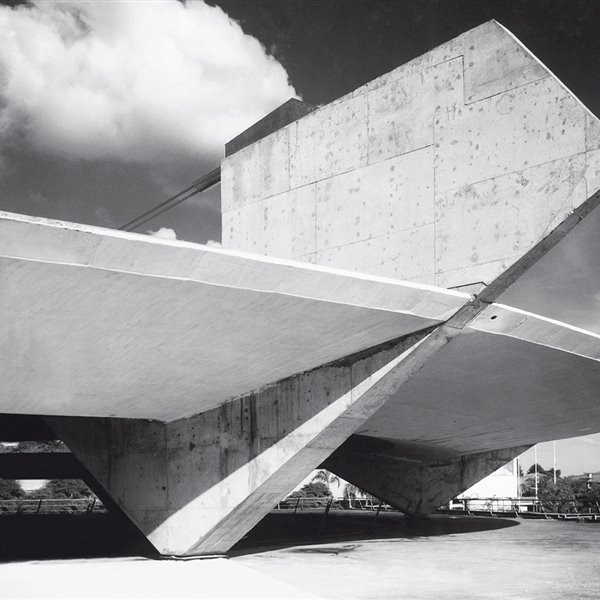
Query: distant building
[{"x": 498, "y": 492}]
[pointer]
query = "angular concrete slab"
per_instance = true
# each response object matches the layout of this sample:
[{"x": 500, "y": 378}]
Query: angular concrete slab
[
  {"x": 416, "y": 487},
  {"x": 123, "y": 325},
  {"x": 490, "y": 151},
  {"x": 488, "y": 392}
]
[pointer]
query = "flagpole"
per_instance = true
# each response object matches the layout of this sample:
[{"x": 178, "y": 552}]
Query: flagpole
[
  {"x": 535, "y": 470},
  {"x": 554, "y": 458}
]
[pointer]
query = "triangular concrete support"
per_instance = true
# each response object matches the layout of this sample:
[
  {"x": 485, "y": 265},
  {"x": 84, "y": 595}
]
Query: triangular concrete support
[
  {"x": 197, "y": 485},
  {"x": 416, "y": 487}
]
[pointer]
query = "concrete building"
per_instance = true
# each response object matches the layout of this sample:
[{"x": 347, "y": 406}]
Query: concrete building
[
  {"x": 364, "y": 314},
  {"x": 502, "y": 483},
  {"x": 498, "y": 492}
]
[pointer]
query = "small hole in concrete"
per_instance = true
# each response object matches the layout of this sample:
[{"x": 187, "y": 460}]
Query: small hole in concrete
[{"x": 494, "y": 317}]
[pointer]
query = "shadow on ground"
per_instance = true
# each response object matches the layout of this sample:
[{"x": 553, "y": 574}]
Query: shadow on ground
[
  {"x": 37, "y": 537},
  {"x": 285, "y": 529}
]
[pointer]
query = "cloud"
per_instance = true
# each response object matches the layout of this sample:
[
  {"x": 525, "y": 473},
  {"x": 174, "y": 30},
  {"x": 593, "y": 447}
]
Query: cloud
[
  {"x": 142, "y": 82},
  {"x": 214, "y": 244},
  {"x": 165, "y": 233}
]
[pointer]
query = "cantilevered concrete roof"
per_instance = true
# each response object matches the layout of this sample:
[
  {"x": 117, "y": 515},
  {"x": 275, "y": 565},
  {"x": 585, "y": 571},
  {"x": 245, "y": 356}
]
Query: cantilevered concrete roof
[
  {"x": 98, "y": 322},
  {"x": 488, "y": 391},
  {"x": 512, "y": 377}
]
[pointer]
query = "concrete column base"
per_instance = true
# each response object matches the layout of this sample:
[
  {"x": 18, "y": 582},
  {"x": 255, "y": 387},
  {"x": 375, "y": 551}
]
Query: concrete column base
[
  {"x": 416, "y": 488},
  {"x": 197, "y": 485}
]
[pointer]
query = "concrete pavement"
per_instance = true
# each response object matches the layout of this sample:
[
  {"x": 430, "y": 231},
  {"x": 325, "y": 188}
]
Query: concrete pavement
[{"x": 447, "y": 558}]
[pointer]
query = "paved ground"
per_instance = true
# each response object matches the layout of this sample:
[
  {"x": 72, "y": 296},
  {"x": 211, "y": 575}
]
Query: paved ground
[
  {"x": 446, "y": 558},
  {"x": 360, "y": 556},
  {"x": 141, "y": 578}
]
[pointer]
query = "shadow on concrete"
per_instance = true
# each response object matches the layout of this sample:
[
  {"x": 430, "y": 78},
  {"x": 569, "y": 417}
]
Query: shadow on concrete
[
  {"x": 39, "y": 537},
  {"x": 280, "y": 530},
  {"x": 43, "y": 537}
]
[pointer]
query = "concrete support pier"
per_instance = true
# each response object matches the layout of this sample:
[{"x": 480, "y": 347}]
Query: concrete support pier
[
  {"x": 416, "y": 487},
  {"x": 197, "y": 485}
]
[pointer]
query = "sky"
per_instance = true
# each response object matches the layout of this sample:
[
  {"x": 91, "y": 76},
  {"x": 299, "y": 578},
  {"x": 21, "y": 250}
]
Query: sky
[{"x": 108, "y": 108}]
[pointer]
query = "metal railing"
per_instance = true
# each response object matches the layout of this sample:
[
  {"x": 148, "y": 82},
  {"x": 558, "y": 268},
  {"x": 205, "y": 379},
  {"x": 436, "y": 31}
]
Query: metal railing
[
  {"x": 304, "y": 503},
  {"x": 46, "y": 506},
  {"x": 526, "y": 506}
]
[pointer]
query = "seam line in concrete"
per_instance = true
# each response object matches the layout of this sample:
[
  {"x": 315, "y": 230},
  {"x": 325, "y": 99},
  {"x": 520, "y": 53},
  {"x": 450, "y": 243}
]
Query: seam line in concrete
[
  {"x": 375, "y": 237},
  {"x": 321, "y": 180},
  {"x": 507, "y": 173},
  {"x": 516, "y": 87}
]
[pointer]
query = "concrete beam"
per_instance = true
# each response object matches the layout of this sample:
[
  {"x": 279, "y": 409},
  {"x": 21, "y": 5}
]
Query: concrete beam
[
  {"x": 24, "y": 428},
  {"x": 40, "y": 465},
  {"x": 416, "y": 487},
  {"x": 115, "y": 324},
  {"x": 283, "y": 115}
]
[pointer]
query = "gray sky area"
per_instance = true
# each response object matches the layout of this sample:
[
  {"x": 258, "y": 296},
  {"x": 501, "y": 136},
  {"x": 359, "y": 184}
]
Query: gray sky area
[{"x": 108, "y": 108}]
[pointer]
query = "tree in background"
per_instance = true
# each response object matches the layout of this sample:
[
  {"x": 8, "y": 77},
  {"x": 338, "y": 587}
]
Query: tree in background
[
  {"x": 10, "y": 490},
  {"x": 49, "y": 446},
  {"x": 314, "y": 489},
  {"x": 568, "y": 494},
  {"x": 63, "y": 489},
  {"x": 313, "y": 494},
  {"x": 540, "y": 469},
  {"x": 556, "y": 498},
  {"x": 586, "y": 492},
  {"x": 326, "y": 477},
  {"x": 350, "y": 491}
]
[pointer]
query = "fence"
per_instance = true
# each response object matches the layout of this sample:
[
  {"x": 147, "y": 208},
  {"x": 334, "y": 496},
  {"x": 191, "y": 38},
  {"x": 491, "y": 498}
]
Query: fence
[
  {"x": 51, "y": 506},
  {"x": 306, "y": 503},
  {"x": 524, "y": 507},
  {"x": 521, "y": 507}
]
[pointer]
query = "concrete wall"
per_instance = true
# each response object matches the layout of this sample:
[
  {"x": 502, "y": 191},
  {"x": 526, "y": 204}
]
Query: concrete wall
[
  {"x": 443, "y": 171},
  {"x": 503, "y": 483}
]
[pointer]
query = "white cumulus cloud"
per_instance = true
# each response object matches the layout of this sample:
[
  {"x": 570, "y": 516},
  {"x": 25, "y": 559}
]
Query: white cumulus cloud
[
  {"x": 143, "y": 82},
  {"x": 165, "y": 233}
]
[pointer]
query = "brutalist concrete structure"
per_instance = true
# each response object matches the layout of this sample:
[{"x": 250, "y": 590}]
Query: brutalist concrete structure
[{"x": 375, "y": 335}]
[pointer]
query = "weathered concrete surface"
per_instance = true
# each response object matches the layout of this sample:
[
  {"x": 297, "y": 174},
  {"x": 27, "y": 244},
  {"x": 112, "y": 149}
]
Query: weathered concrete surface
[
  {"x": 290, "y": 111},
  {"x": 445, "y": 170},
  {"x": 477, "y": 136},
  {"x": 484, "y": 392},
  {"x": 414, "y": 487},
  {"x": 118, "y": 324},
  {"x": 197, "y": 485}
]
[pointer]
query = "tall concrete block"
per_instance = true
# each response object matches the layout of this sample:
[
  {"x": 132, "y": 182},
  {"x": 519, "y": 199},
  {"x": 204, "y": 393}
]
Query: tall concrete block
[
  {"x": 400, "y": 113},
  {"x": 416, "y": 486},
  {"x": 463, "y": 125},
  {"x": 380, "y": 200},
  {"x": 496, "y": 62},
  {"x": 261, "y": 170},
  {"x": 328, "y": 142},
  {"x": 409, "y": 247},
  {"x": 531, "y": 125},
  {"x": 482, "y": 209}
]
